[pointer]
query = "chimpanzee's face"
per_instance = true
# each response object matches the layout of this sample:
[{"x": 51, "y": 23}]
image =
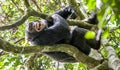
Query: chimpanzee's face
[{"x": 35, "y": 26}]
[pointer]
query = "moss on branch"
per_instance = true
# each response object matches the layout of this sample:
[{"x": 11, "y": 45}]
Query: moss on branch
[
  {"x": 113, "y": 60},
  {"x": 90, "y": 62}
]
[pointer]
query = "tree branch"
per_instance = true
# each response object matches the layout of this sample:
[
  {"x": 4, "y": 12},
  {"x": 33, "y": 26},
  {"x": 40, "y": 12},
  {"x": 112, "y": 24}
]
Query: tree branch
[
  {"x": 103, "y": 66},
  {"x": 26, "y": 3},
  {"x": 79, "y": 23},
  {"x": 44, "y": 16},
  {"x": 90, "y": 62},
  {"x": 38, "y": 14},
  {"x": 113, "y": 60},
  {"x": 17, "y": 6},
  {"x": 17, "y": 23},
  {"x": 36, "y": 4}
]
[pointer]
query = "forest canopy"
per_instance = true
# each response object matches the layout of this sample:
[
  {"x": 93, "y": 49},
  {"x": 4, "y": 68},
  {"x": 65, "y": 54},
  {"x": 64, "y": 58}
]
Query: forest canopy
[{"x": 17, "y": 54}]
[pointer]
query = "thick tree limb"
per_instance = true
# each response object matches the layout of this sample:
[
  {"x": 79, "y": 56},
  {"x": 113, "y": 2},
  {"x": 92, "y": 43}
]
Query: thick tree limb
[
  {"x": 113, "y": 60},
  {"x": 44, "y": 16},
  {"x": 31, "y": 12},
  {"x": 90, "y": 62},
  {"x": 80, "y": 23},
  {"x": 22, "y": 20}
]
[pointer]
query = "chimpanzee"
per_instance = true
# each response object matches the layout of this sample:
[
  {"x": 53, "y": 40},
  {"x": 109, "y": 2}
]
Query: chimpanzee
[
  {"x": 57, "y": 31},
  {"x": 50, "y": 32},
  {"x": 38, "y": 33}
]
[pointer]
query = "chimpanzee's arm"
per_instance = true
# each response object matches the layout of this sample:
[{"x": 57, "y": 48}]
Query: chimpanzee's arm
[{"x": 66, "y": 12}]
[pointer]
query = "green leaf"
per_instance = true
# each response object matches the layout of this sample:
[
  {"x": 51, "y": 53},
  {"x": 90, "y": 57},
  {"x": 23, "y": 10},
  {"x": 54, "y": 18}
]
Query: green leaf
[
  {"x": 90, "y": 35},
  {"x": 105, "y": 1},
  {"x": 91, "y": 4},
  {"x": 1, "y": 64},
  {"x": 105, "y": 34}
]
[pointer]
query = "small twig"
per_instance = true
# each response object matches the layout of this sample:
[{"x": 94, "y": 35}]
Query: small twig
[
  {"x": 7, "y": 17},
  {"x": 16, "y": 5},
  {"x": 19, "y": 40},
  {"x": 98, "y": 37},
  {"x": 1, "y": 53},
  {"x": 34, "y": 1}
]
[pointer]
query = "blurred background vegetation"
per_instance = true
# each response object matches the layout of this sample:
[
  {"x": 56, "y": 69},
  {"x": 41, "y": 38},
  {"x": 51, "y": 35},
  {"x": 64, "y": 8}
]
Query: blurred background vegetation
[{"x": 12, "y": 10}]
